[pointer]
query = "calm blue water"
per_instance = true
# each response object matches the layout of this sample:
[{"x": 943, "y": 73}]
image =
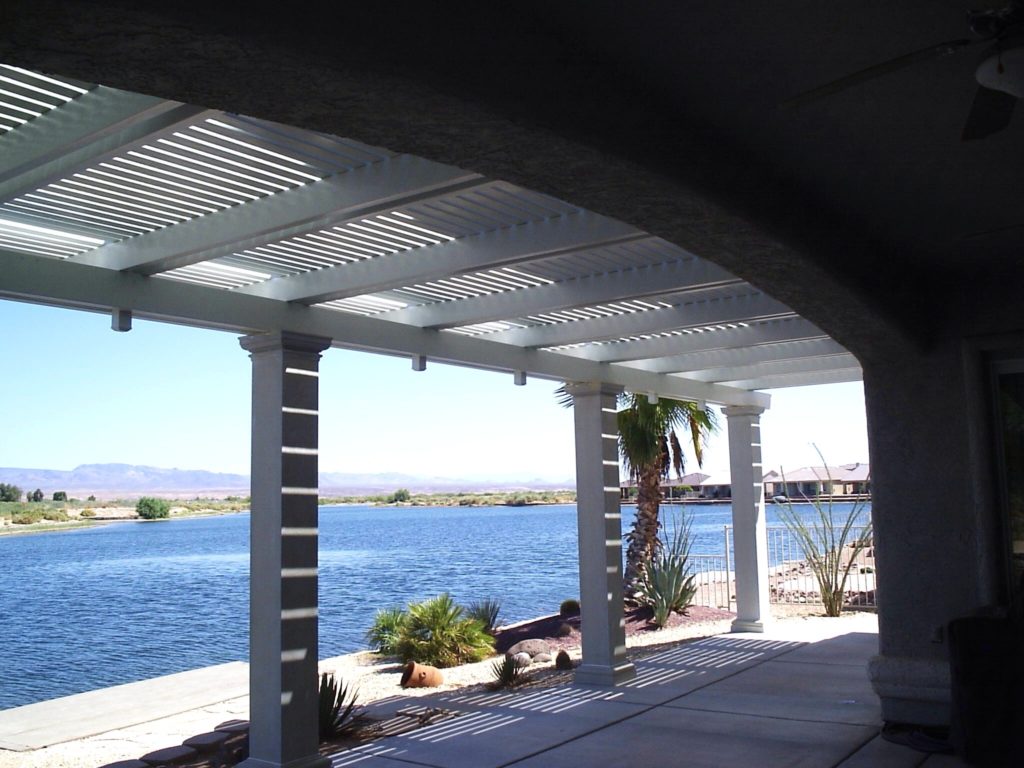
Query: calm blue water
[{"x": 112, "y": 604}]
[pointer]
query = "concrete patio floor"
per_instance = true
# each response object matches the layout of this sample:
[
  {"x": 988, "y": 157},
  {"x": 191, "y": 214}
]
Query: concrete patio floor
[{"x": 797, "y": 695}]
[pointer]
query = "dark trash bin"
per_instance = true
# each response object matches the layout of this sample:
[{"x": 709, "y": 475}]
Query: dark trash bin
[{"x": 986, "y": 663}]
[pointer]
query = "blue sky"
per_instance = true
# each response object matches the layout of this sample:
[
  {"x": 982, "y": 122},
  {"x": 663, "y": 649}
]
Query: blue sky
[{"x": 74, "y": 392}]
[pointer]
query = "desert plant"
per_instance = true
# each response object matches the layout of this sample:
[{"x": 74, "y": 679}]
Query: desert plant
[
  {"x": 386, "y": 629},
  {"x": 60, "y": 496},
  {"x": 486, "y": 612},
  {"x": 829, "y": 546},
  {"x": 9, "y": 492},
  {"x": 88, "y": 512},
  {"x": 569, "y": 608},
  {"x": 153, "y": 509},
  {"x": 507, "y": 672},
  {"x": 667, "y": 584},
  {"x": 437, "y": 633},
  {"x": 337, "y": 706}
]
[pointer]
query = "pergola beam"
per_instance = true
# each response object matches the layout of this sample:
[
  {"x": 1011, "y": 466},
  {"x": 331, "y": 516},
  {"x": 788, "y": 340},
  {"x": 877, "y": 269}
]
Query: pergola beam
[
  {"x": 360, "y": 192},
  {"x": 725, "y": 358},
  {"x": 778, "y": 368},
  {"x": 731, "y": 338},
  {"x": 806, "y": 379},
  {"x": 511, "y": 245},
  {"x": 732, "y": 309},
  {"x": 685, "y": 274},
  {"x": 68, "y": 284},
  {"x": 81, "y": 132}
]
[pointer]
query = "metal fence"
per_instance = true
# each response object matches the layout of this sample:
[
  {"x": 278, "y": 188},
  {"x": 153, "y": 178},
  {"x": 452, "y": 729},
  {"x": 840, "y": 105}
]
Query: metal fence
[
  {"x": 790, "y": 579},
  {"x": 715, "y": 585}
]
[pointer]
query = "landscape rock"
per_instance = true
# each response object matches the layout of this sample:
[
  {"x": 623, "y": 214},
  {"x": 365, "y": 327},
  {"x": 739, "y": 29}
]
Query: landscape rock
[
  {"x": 532, "y": 647},
  {"x": 523, "y": 659},
  {"x": 542, "y": 658},
  {"x": 169, "y": 755}
]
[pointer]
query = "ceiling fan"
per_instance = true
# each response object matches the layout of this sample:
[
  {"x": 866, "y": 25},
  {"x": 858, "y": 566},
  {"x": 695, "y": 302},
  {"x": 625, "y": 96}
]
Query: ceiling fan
[{"x": 1000, "y": 74}]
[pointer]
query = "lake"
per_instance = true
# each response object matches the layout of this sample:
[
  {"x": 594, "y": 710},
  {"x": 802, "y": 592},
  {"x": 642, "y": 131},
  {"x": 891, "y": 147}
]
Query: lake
[{"x": 93, "y": 607}]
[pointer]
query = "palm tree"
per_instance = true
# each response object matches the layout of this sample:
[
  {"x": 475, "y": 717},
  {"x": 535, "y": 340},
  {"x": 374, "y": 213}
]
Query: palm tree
[{"x": 650, "y": 451}]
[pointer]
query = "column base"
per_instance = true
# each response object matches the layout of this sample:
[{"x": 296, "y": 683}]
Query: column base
[
  {"x": 750, "y": 625},
  {"x": 606, "y": 677},
  {"x": 313, "y": 761},
  {"x": 916, "y": 691}
]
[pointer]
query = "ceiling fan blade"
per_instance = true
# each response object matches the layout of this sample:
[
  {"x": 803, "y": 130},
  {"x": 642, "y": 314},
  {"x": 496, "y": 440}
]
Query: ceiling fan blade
[
  {"x": 878, "y": 70},
  {"x": 990, "y": 113}
]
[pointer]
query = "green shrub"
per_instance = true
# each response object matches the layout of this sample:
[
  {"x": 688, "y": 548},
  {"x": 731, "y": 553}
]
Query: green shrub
[
  {"x": 60, "y": 496},
  {"x": 386, "y": 629},
  {"x": 56, "y": 515},
  {"x": 569, "y": 608},
  {"x": 153, "y": 509},
  {"x": 435, "y": 632},
  {"x": 830, "y": 547},
  {"x": 401, "y": 495},
  {"x": 486, "y": 612},
  {"x": 666, "y": 584},
  {"x": 9, "y": 492},
  {"x": 337, "y": 707}
]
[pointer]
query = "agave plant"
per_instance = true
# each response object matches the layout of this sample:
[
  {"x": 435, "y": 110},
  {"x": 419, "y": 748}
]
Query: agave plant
[
  {"x": 436, "y": 632},
  {"x": 337, "y": 706},
  {"x": 666, "y": 584},
  {"x": 506, "y": 671},
  {"x": 486, "y": 612}
]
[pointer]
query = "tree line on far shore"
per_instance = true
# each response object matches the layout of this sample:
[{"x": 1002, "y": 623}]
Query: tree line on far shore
[{"x": 11, "y": 492}]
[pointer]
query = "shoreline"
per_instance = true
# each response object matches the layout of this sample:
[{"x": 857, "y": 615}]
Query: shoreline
[
  {"x": 126, "y": 514},
  {"x": 112, "y": 515}
]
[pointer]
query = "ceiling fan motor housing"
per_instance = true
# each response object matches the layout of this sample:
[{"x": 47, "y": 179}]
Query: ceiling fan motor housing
[{"x": 1003, "y": 70}]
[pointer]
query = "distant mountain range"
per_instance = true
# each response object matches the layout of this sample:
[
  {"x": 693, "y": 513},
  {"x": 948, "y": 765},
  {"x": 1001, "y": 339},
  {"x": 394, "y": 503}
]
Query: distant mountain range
[{"x": 111, "y": 480}]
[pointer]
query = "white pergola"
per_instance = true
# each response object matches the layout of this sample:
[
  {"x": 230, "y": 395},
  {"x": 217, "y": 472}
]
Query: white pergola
[{"x": 122, "y": 203}]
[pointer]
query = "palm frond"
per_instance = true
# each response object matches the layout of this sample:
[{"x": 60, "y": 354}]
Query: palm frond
[{"x": 678, "y": 461}]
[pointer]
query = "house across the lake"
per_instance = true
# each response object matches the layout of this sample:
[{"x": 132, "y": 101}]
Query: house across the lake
[
  {"x": 851, "y": 481},
  {"x": 846, "y": 480}
]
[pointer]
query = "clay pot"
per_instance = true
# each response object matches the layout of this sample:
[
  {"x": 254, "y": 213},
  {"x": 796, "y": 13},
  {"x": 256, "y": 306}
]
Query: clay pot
[{"x": 421, "y": 676}]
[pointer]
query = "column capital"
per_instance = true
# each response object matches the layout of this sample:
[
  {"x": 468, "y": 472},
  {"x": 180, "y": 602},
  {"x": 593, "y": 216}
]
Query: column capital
[
  {"x": 742, "y": 410},
  {"x": 580, "y": 388},
  {"x": 295, "y": 342}
]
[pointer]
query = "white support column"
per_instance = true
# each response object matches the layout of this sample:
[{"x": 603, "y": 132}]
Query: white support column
[
  {"x": 283, "y": 648},
  {"x": 750, "y": 539},
  {"x": 599, "y": 522}
]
